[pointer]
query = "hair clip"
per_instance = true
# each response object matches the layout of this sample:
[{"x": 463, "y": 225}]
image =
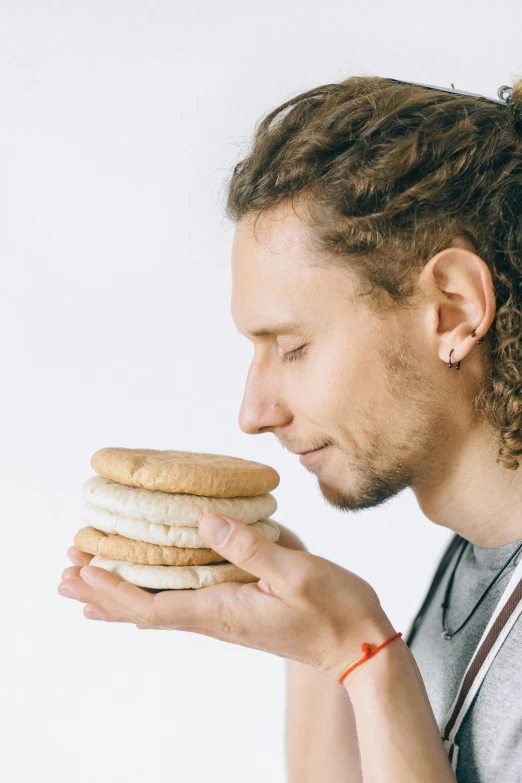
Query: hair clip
[{"x": 504, "y": 93}]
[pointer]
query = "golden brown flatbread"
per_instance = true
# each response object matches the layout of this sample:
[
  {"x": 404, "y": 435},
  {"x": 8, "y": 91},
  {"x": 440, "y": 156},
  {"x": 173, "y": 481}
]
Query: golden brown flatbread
[
  {"x": 212, "y": 475},
  {"x": 111, "y": 546}
]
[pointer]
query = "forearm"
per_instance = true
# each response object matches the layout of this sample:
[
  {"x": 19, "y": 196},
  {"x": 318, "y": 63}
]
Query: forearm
[
  {"x": 399, "y": 739},
  {"x": 320, "y": 737}
]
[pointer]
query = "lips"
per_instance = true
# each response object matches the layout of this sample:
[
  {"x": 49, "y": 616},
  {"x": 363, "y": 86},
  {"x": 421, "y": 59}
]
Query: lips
[
  {"x": 311, "y": 451},
  {"x": 310, "y": 456}
]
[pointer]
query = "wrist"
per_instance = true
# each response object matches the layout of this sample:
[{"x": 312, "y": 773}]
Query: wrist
[
  {"x": 374, "y": 630},
  {"x": 378, "y": 671}
]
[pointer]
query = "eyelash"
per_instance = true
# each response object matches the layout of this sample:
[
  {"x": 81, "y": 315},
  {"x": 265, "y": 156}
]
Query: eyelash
[{"x": 292, "y": 355}]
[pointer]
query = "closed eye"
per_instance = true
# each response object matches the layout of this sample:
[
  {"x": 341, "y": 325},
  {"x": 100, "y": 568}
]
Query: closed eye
[{"x": 289, "y": 357}]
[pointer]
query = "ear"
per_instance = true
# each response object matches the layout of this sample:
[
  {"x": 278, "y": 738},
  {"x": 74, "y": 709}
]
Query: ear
[{"x": 462, "y": 287}]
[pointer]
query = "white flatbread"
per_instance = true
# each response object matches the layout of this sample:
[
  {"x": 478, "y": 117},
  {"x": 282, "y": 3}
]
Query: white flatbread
[
  {"x": 169, "y": 508},
  {"x": 165, "y": 535},
  {"x": 174, "y": 577}
]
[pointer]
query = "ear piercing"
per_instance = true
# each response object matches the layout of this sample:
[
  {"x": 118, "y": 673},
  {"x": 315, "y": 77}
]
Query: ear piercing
[
  {"x": 457, "y": 365},
  {"x": 473, "y": 334}
]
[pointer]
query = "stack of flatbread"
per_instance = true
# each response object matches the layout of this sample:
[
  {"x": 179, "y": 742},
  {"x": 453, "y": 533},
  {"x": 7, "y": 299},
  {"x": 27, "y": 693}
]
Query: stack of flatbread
[{"x": 143, "y": 508}]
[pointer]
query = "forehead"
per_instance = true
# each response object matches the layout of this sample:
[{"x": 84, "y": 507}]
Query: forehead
[
  {"x": 275, "y": 275},
  {"x": 275, "y": 240}
]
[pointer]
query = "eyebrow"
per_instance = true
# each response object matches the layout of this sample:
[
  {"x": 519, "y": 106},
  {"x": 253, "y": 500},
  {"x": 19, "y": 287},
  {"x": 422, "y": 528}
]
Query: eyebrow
[{"x": 280, "y": 328}]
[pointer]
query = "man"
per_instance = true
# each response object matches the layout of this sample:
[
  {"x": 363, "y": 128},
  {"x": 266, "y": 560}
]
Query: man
[{"x": 361, "y": 370}]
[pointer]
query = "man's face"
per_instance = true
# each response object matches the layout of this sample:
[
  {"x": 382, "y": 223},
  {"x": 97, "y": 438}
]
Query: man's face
[{"x": 358, "y": 384}]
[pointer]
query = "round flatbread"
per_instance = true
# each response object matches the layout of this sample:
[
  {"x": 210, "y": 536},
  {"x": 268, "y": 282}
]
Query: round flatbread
[
  {"x": 111, "y": 546},
  {"x": 169, "y": 508},
  {"x": 164, "y": 535},
  {"x": 174, "y": 577},
  {"x": 214, "y": 475}
]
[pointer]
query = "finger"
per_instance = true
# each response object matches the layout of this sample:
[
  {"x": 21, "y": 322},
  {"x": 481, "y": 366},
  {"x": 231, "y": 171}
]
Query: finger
[
  {"x": 251, "y": 550},
  {"x": 175, "y": 608},
  {"x": 71, "y": 572},
  {"x": 113, "y": 594},
  {"x": 93, "y": 612},
  {"x": 75, "y": 587},
  {"x": 78, "y": 557},
  {"x": 172, "y": 608}
]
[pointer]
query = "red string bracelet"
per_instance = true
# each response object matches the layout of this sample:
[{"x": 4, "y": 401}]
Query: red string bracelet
[{"x": 368, "y": 652}]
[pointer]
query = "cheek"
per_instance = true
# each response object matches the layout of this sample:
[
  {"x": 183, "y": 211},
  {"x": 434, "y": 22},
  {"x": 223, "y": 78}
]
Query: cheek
[
  {"x": 341, "y": 383},
  {"x": 326, "y": 390}
]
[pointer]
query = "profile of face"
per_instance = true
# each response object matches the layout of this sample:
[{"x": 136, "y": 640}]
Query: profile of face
[{"x": 327, "y": 370}]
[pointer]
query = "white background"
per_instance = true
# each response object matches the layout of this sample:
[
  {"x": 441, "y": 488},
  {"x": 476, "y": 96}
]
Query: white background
[{"x": 121, "y": 122}]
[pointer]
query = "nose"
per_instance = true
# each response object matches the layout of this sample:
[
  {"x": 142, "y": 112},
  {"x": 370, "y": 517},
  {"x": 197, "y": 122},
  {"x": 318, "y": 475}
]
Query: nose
[{"x": 262, "y": 409}]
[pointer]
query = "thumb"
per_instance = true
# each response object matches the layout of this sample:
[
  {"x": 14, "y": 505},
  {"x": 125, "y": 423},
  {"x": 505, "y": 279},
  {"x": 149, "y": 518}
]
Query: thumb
[{"x": 249, "y": 549}]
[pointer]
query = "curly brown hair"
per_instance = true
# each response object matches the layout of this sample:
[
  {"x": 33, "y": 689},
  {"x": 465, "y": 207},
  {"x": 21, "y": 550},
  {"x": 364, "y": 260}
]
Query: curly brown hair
[{"x": 390, "y": 173}]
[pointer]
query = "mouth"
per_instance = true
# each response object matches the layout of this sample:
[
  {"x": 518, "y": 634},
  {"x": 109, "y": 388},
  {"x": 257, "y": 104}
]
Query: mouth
[{"x": 308, "y": 457}]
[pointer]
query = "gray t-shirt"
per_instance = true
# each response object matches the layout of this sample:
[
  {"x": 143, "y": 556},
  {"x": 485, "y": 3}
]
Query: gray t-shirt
[{"x": 490, "y": 737}]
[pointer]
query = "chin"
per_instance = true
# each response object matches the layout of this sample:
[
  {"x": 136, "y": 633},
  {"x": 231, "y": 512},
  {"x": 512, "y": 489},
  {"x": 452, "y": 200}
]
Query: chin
[
  {"x": 336, "y": 498},
  {"x": 374, "y": 496}
]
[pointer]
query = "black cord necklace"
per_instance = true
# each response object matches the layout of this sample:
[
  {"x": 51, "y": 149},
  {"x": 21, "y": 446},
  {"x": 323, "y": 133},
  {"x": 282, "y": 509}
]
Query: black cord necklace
[{"x": 445, "y": 604}]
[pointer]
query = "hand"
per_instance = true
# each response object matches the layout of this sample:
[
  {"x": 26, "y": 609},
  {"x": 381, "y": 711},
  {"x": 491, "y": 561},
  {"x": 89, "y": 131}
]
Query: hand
[
  {"x": 286, "y": 538},
  {"x": 303, "y": 607}
]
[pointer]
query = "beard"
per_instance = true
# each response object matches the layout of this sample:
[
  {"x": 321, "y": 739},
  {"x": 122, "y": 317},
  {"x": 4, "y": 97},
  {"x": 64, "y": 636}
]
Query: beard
[
  {"x": 370, "y": 488},
  {"x": 395, "y": 451}
]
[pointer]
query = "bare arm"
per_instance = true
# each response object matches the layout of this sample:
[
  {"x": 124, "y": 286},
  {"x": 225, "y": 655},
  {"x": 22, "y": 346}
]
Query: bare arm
[
  {"x": 320, "y": 734},
  {"x": 383, "y": 732},
  {"x": 320, "y": 738},
  {"x": 399, "y": 739}
]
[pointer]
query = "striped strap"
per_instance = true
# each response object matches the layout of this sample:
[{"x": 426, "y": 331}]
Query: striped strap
[{"x": 500, "y": 624}]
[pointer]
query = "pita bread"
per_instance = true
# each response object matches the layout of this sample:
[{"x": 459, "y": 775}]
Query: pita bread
[
  {"x": 163, "y": 535},
  {"x": 212, "y": 475},
  {"x": 111, "y": 546},
  {"x": 169, "y": 508},
  {"x": 174, "y": 577}
]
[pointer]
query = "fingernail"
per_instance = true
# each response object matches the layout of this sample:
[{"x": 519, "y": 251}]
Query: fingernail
[
  {"x": 215, "y": 528},
  {"x": 64, "y": 590},
  {"x": 86, "y": 575}
]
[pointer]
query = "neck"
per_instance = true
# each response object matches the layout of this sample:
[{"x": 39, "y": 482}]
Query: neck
[{"x": 469, "y": 493}]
